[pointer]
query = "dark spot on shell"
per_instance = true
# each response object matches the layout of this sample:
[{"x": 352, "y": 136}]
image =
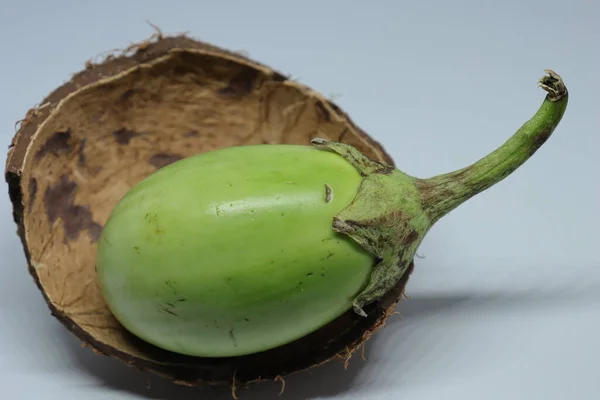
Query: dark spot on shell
[
  {"x": 247, "y": 319},
  {"x": 123, "y": 136},
  {"x": 186, "y": 68},
  {"x": 95, "y": 231},
  {"x": 323, "y": 111},
  {"x": 161, "y": 160},
  {"x": 32, "y": 192},
  {"x": 240, "y": 84},
  {"x": 191, "y": 134},
  {"x": 336, "y": 108},
  {"x": 127, "y": 94},
  {"x": 59, "y": 201},
  {"x": 81, "y": 152},
  {"x": 58, "y": 143},
  {"x": 136, "y": 249},
  {"x": 309, "y": 274},
  {"x": 278, "y": 77}
]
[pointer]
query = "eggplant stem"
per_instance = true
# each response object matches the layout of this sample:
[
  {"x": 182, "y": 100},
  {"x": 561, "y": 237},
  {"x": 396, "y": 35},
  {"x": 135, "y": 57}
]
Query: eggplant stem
[{"x": 443, "y": 193}]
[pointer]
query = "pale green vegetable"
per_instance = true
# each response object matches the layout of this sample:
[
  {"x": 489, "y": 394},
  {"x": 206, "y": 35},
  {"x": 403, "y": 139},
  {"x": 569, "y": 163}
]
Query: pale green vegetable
[
  {"x": 232, "y": 251},
  {"x": 244, "y": 249}
]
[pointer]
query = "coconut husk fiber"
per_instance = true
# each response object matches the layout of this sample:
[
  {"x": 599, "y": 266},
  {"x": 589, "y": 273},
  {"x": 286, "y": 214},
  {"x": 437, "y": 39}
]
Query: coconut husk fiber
[{"x": 119, "y": 120}]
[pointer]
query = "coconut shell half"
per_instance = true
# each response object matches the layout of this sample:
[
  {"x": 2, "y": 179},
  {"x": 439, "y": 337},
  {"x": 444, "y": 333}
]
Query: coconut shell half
[{"x": 120, "y": 120}]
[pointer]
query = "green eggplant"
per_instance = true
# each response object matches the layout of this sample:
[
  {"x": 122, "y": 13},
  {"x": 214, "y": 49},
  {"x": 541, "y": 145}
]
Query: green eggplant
[{"x": 246, "y": 248}]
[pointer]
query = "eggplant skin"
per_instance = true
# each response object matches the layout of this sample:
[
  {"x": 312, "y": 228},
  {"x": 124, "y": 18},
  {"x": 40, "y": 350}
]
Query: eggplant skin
[{"x": 232, "y": 252}]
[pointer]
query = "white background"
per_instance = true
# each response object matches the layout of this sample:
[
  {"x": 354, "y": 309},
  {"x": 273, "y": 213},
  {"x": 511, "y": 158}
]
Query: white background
[{"x": 505, "y": 304}]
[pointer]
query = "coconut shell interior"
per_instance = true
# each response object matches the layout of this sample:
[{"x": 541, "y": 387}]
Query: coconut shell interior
[{"x": 117, "y": 121}]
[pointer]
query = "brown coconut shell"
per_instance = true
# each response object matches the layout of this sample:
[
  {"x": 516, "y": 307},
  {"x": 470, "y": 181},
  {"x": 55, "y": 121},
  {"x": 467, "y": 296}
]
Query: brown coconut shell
[{"x": 116, "y": 122}]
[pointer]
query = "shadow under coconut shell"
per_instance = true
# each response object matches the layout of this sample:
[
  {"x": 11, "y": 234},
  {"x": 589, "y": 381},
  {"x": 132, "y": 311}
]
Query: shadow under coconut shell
[
  {"x": 490, "y": 302},
  {"x": 328, "y": 380}
]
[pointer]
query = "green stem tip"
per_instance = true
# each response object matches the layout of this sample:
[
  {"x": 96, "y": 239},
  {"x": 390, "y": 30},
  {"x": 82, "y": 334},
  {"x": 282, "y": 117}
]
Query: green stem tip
[{"x": 443, "y": 193}]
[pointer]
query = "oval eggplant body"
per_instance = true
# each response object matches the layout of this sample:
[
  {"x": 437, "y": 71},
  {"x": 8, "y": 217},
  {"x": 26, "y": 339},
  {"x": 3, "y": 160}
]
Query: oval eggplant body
[{"x": 232, "y": 252}]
